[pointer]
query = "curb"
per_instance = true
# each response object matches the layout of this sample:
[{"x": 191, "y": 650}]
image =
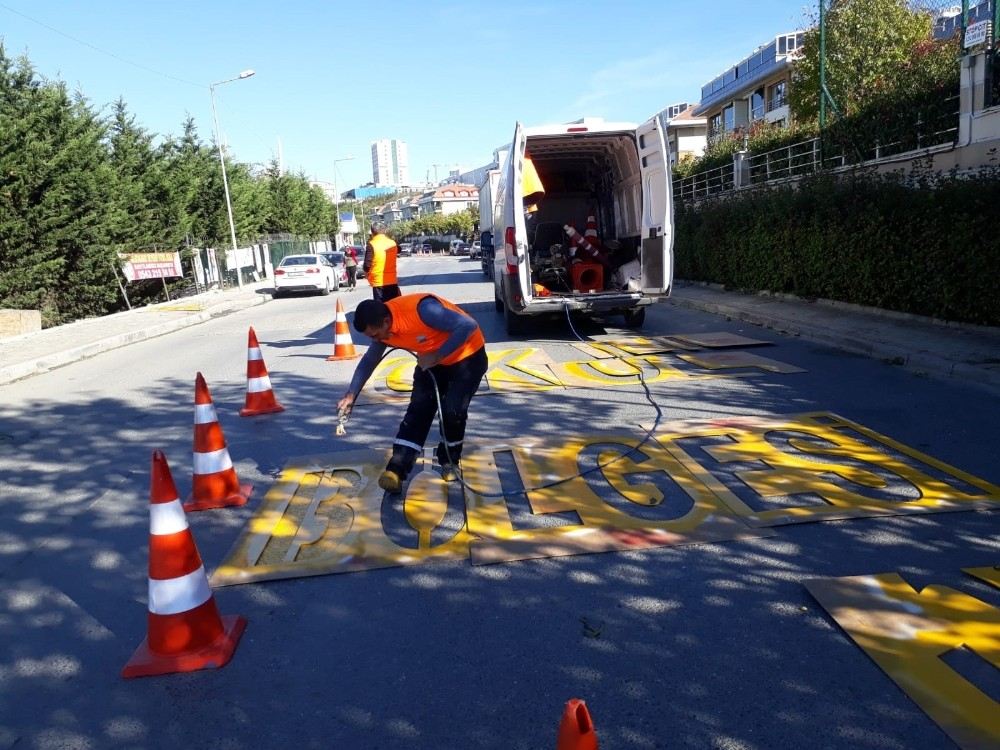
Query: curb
[{"x": 37, "y": 366}]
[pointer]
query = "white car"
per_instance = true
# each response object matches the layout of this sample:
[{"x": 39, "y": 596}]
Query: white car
[{"x": 305, "y": 273}]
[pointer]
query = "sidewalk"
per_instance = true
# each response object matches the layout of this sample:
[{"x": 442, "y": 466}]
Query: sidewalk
[
  {"x": 966, "y": 353},
  {"x": 34, "y": 353}
]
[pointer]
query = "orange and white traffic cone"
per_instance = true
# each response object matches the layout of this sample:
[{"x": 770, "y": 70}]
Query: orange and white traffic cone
[
  {"x": 343, "y": 345},
  {"x": 260, "y": 398},
  {"x": 576, "y": 730},
  {"x": 184, "y": 629},
  {"x": 214, "y": 483},
  {"x": 583, "y": 245},
  {"x": 590, "y": 233}
]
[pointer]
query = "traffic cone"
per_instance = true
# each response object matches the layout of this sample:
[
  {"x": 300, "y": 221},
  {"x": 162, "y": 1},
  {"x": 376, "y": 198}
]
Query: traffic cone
[
  {"x": 214, "y": 484},
  {"x": 590, "y": 233},
  {"x": 260, "y": 398},
  {"x": 343, "y": 345},
  {"x": 576, "y": 730},
  {"x": 581, "y": 243},
  {"x": 184, "y": 630}
]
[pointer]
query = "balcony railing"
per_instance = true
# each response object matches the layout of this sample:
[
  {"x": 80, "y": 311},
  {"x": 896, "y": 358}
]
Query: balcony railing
[
  {"x": 704, "y": 184},
  {"x": 810, "y": 156}
]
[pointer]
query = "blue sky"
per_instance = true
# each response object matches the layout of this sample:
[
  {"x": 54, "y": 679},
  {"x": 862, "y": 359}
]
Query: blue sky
[{"x": 448, "y": 78}]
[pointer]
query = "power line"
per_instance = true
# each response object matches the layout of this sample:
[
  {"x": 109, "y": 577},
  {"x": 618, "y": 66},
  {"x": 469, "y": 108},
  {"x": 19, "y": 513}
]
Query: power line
[{"x": 98, "y": 49}]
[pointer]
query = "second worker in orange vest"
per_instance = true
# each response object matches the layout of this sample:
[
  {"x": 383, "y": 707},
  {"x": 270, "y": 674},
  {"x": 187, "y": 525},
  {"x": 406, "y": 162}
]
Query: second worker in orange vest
[
  {"x": 450, "y": 346},
  {"x": 380, "y": 264}
]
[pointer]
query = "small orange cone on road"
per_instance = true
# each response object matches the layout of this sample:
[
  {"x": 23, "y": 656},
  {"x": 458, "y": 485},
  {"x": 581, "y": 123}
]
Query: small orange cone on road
[
  {"x": 576, "y": 730},
  {"x": 184, "y": 629},
  {"x": 343, "y": 345},
  {"x": 260, "y": 398},
  {"x": 214, "y": 482}
]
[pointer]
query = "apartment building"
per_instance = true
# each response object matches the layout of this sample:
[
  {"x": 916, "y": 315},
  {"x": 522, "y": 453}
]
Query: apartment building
[
  {"x": 449, "y": 199},
  {"x": 390, "y": 162},
  {"x": 687, "y": 134},
  {"x": 754, "y": 89}
]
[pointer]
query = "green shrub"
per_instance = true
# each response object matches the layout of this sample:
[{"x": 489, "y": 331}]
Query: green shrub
[{"x": 927, "y": 246}]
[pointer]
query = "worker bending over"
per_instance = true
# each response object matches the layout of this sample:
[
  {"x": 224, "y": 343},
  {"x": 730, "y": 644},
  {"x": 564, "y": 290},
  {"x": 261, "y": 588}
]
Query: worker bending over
[{"x": 450, "y": 346}]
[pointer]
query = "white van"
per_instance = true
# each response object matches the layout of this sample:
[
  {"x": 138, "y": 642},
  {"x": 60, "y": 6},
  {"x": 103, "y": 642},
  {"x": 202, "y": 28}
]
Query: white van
[{"x": 617, "y": 172}]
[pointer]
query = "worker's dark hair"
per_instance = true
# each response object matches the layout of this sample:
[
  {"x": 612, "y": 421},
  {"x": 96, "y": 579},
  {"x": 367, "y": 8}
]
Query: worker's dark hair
[{"x": 370, "y": 312}]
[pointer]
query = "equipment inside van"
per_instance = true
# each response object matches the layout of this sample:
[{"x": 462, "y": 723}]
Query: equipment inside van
[{"x": 599, "y": 240}]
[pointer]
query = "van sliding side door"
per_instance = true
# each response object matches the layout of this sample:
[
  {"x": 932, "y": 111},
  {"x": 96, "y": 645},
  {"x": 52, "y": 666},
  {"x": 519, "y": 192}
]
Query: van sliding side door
[{"x": 657, "y": 225}]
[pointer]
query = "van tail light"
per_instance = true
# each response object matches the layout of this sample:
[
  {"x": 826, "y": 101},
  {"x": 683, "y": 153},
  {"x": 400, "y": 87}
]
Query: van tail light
[
  {"x": 279, "y": 272},
  {"x": 510, "y": 250}
]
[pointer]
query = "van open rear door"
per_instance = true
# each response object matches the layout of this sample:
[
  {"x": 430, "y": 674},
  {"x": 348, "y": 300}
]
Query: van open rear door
[
  {"x": 657, "y": 209},
  {"x": 515, "y": 239}
]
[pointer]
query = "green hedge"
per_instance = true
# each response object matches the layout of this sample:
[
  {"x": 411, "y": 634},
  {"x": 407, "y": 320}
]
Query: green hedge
[{"x": 930, "y": 248}]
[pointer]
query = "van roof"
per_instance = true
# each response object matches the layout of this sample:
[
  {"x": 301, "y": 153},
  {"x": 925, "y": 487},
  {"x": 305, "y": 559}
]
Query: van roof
[{"x": 583, "y": 125}]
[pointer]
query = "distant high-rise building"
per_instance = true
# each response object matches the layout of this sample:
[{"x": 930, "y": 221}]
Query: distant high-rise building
[{"x": 390, "y": 162}]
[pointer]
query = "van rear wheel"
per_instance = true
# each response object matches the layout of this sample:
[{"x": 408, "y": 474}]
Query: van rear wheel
[
  {"x": 635, "y": 317},
  {"x": 514, "y": 323}
]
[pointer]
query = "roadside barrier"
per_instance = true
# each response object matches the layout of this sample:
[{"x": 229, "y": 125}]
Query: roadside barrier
[
  {"x": 214, "y": 482},
  {"x": 185, "y": 632}
]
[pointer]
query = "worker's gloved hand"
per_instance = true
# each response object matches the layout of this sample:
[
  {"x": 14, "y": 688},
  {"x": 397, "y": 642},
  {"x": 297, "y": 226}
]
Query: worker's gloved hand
[{"x": 344, "y": 407}]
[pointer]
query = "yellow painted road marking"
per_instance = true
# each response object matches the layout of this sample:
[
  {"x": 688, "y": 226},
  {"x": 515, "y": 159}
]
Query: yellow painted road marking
[
  {"x": 906, "y": 633},
  {"x": 326, "y": 514},
  {"x": 821, "y": 458}
]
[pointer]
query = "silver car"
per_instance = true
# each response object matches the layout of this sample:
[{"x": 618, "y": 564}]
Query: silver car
[{"x": 305, "y": 273}]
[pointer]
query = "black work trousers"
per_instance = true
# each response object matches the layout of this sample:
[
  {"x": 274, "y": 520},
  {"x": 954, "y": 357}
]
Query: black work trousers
[
  {"x": 458, "y": 383},
  {"x": 385, "y": 293}
]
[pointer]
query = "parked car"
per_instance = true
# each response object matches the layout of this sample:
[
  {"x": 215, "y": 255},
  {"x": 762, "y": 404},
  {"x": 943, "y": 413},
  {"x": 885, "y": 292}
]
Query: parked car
[
  {"x": 305, "y": 273},
  {"x": 406, "y": 248},
  {"x": 476, "y": 250},
  {"x": 427, "y": 247},
  {"x": 458, "y": 247}
]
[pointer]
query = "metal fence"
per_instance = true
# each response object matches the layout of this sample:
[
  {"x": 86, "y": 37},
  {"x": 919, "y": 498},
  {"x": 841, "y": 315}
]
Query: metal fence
[{"x": 817, "y": 154}]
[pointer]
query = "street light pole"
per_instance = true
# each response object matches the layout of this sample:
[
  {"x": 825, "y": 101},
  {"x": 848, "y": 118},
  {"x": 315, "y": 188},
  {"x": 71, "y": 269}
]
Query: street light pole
[
  {"x": 225, "y": 179},
  {"x": 336, "y": 194}
]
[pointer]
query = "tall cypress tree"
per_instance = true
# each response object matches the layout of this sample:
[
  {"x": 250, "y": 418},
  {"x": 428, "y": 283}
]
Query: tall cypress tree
[{"x": 54, "y": 200}]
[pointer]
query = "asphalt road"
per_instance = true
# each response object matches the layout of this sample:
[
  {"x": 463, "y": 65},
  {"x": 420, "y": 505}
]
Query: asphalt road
[{"x": 698, "y": 646}]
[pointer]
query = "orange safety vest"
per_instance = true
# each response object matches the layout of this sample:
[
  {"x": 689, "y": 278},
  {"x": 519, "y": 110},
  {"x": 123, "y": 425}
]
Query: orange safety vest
[
  {"x": 383, "y": 270},
  {"x": 409, "y": 332}
]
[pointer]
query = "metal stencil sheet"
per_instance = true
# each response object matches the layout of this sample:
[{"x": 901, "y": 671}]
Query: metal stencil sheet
[
  {"x": 909, "y": 634},
  {"x": 734, "y": 360},
  {"x": 718, "y": 340},
  {"x": 634, "y": 345}
]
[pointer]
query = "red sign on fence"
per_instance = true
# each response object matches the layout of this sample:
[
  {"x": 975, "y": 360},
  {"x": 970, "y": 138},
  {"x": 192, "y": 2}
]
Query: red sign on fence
[{"x": 138, "y": 266}]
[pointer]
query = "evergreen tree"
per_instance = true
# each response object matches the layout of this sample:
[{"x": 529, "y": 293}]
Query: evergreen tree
[{"x": 55, "y": 213}]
